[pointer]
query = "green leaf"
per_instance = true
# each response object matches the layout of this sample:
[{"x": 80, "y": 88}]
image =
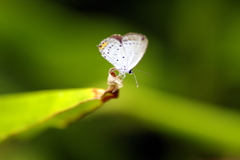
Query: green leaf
[{"x": 42, "y": 109}]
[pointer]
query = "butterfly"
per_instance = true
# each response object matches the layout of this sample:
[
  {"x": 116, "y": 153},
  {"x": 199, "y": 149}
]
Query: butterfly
[{"x": 124, "y": 52}]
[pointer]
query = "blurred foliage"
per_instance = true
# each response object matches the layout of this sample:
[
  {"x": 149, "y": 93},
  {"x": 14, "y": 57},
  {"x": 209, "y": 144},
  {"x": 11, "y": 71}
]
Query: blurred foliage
[{"x": 187, "y": 109}]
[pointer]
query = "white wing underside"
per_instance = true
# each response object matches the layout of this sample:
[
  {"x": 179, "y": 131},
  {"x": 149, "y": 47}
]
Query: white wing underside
[
  {"x": 124, "y": 52},
  {"x": 135, "y": 46}
]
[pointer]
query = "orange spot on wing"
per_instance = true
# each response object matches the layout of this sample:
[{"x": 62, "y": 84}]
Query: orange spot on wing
[{"x": 103, "y": 45}]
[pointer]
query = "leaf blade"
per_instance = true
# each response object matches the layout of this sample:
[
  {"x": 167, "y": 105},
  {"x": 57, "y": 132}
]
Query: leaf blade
[{"x": 20, "y": 112}]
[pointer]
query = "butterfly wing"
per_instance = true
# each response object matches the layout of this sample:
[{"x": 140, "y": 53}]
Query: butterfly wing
[
  {"x": 113, "y": 51},
  {"x": 135, "y": 46}
]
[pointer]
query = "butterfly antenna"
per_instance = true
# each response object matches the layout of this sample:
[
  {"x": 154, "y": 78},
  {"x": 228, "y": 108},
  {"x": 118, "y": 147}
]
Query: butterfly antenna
[
  {"x": 143, "y": 72},
  {"x": 135, "y": 79}
]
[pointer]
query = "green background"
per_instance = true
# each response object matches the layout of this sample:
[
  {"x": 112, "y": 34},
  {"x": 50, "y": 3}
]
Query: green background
[{"x": 192, "y": 93}]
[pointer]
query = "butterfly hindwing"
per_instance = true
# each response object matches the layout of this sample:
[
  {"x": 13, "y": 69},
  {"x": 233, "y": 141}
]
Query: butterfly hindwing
[{"x": 112, "y": 50}]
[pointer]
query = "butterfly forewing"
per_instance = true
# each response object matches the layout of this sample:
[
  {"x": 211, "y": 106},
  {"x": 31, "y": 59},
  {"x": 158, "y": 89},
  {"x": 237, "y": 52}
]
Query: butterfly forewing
[{"x": 135, "y": 46}]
